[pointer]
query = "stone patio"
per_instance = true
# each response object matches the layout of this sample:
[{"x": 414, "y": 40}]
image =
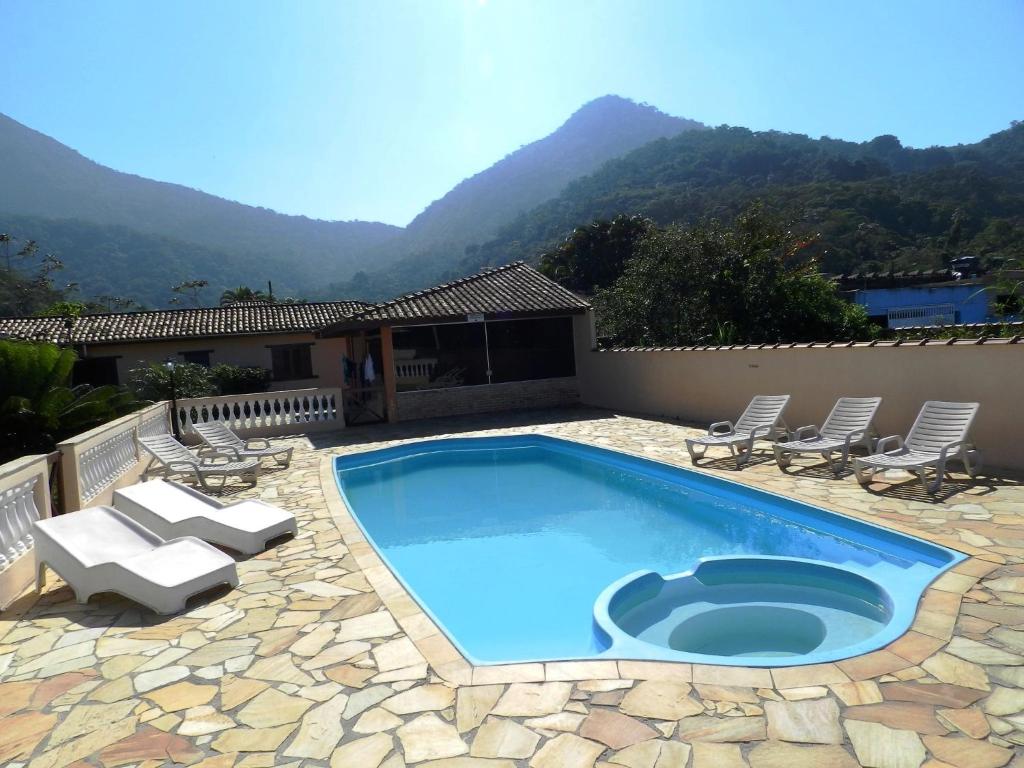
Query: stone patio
[{"x": 320, "y": 658}]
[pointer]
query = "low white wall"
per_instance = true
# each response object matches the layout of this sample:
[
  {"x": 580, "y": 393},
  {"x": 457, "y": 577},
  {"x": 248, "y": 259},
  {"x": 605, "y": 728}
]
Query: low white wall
[{"x": 707, "y": 385}]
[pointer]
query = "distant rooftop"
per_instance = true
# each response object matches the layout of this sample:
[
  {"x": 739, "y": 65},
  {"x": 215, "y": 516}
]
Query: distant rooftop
[
  {"x": 241, "y": 319},
  {"x": 514, "y": 290}
]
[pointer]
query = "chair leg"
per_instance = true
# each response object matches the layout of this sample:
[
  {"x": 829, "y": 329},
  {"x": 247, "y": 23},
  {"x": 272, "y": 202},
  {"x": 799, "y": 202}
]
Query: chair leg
[{"x": 782, "y": 458}]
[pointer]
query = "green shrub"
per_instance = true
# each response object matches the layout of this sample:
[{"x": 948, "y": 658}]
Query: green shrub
[{"x": 234, "y": 380}]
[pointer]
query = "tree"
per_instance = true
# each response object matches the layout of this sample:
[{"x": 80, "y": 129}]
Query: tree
[
  {"x": 39, "y": 408},
  {"x": 190, "y": 289},
  {"x": 592, "y": 257},
  {"x": 242, "y": 293},
  {"x": 711, "y": 284}
]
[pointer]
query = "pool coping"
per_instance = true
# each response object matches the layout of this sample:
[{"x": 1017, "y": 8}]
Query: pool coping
[{"x": 932, "y": 628}]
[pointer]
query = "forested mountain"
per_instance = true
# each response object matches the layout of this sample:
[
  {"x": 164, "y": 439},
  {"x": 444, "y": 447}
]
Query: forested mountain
[
  {"x": 602, "y": 129},
  {"x": 876, "y": 205},
  {"x": 125, "y": 235},
  {"x": 41, "y": 177}
]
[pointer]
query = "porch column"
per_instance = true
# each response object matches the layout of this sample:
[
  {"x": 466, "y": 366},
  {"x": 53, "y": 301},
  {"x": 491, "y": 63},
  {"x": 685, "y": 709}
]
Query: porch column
[{"x": 387, "y": 364}]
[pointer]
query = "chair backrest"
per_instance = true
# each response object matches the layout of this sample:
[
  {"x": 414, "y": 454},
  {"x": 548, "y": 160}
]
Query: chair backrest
[
  {"x": 763, "y": 410},
  {"x": 166, "y": 449},
  {"x": 217, "y": 435},
  {"x": 940, "y": 424},
  {"x": 850, "y": 414}
]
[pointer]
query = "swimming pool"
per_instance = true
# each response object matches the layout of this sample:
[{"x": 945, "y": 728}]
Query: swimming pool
[{"x": 518, "y": 546}]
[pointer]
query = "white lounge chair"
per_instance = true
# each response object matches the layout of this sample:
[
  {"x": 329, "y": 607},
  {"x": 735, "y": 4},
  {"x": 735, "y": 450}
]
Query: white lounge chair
[
  {"x": 171, "y": 509},
  {"x": 101, "y": 550},
  {"x": 939, "y": 435},
  {"x": 217, "y": 435},
  {"x": 760, "y": 421},
  {"x": 179, "y": 459},
  {"x": 849, "y": 424}
]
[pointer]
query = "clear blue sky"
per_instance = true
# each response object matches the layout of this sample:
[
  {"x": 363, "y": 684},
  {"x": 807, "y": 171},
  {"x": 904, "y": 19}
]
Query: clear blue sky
[{"x": 372, "y": 109}]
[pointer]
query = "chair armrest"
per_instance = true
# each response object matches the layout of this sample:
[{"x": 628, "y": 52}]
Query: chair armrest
[
  {"x": 251, "y": 443},
  {"x": 811, "y": 429},
  {"x": 880, "y": 445},
  {"x": 226, "y": 454},
  {"x": 949, "y": 448},
  {"x": 853, "y": 437},
  {"x": 729, "y": 428}
]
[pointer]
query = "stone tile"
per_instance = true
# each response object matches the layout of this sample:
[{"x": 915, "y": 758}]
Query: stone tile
[
  {"x": 272, "y": 708},
  {"x": 252, "y": 739},
  {"x": 567, "y": 751},
  {"x": 376, "y": 720},
  {"x": 971, "y": 721},
  {"x": 616, "y": 730},
  {"x": 200, "y": 721},
  {"x": 955, "y": 671},
  {"x": 150, "y": 744},
  {"x": 368, "y": 752},
  {"x": 860, "y": 692},
  {"x": 662, "y": 700},
  {"x": 777, "y": 754},
  {"x": 428, "y": 737},
  {"x": 474, "y": 703},
  {"x": 877, "y": 746},
  {"x": 422, "y": 698},
  {"x": 183, "y": 695},
  {"x": 21, "y": 734},
  {"x": 967, "y": 753},
  {"x": 533, "y": 700},
  {"x": 320, "y": 730},
  {"x": 902, "y": 715},
  {"x": 504, "y": 738},
  {"x": 722, "y": 729},
  {"x": 808, "y": 722},
  {"x": 711, "y": 755},
  {"x": 953, "y": 696}
]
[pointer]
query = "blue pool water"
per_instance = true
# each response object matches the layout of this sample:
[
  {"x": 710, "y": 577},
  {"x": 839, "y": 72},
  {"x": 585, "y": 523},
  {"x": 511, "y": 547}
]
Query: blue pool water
[{"x": 508, "y": 541}]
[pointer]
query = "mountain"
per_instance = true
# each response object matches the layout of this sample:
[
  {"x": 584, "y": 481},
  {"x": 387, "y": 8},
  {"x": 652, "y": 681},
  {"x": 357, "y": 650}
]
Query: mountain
[
  {"x": 44, "y": 178},
  {"x": 121, "y": 234},
  {"x": 597, "y": 132},
  {"x": 875, "y": 205}
]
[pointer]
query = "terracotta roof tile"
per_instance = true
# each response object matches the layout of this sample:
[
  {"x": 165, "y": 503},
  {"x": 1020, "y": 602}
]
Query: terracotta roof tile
[
  {"x": 508, "y": 291},
  {"x": 242, "y": 319}
]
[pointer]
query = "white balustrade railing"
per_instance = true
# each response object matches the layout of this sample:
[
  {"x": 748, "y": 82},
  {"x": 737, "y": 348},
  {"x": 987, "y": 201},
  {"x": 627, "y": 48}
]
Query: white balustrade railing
[
  {"x": 266, "y": 413},
  {"x": 24, "y": 498},
  {"x": 95, "y": 460},
  {"x": 415, "y": 369},
  {"x": 17, "y": 513}
]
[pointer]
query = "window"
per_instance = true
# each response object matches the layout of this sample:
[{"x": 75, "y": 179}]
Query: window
[
  {"x": 523, "y": 350},
  {"x": 292, "y": 361},
  {"x": 97, "y": 371},
  {"x": 198, "y": 357}
]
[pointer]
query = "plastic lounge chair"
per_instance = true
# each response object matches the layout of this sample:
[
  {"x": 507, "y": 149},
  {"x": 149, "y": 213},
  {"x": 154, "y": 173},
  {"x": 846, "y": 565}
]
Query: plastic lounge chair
[
  {"x": 217, "y": 435},
  {"x": 171, "y": 509},
  {"x": 850, "y": 423},
  {"x": 939, "y": 435},
  {"x": 101, "y": 550},
  {"x": 179, "y": 459},
  {"x": 760, "y": 421}
]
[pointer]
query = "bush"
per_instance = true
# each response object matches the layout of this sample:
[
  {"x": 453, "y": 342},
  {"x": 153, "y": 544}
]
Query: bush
[
  {"x": 154, "y": 381},
  {"x": 234, "y": 380}
]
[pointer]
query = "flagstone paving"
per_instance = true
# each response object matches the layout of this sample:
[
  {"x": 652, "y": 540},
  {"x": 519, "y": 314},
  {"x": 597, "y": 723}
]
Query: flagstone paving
[{"x": 319, "y": 658}]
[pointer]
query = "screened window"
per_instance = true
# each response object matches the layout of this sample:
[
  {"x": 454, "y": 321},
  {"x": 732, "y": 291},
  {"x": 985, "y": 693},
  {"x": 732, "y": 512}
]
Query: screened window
[
  {"x": 292, "y": 361},
  {"x": 522, "y": 350}
]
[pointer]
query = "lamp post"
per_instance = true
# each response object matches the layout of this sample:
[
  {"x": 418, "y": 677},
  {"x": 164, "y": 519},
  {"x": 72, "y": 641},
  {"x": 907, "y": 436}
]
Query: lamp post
[{"x": 170, "y": 365}]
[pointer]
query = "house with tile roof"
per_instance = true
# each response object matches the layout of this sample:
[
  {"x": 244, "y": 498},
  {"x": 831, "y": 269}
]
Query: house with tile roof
[{"x": 503, "y": 338}]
